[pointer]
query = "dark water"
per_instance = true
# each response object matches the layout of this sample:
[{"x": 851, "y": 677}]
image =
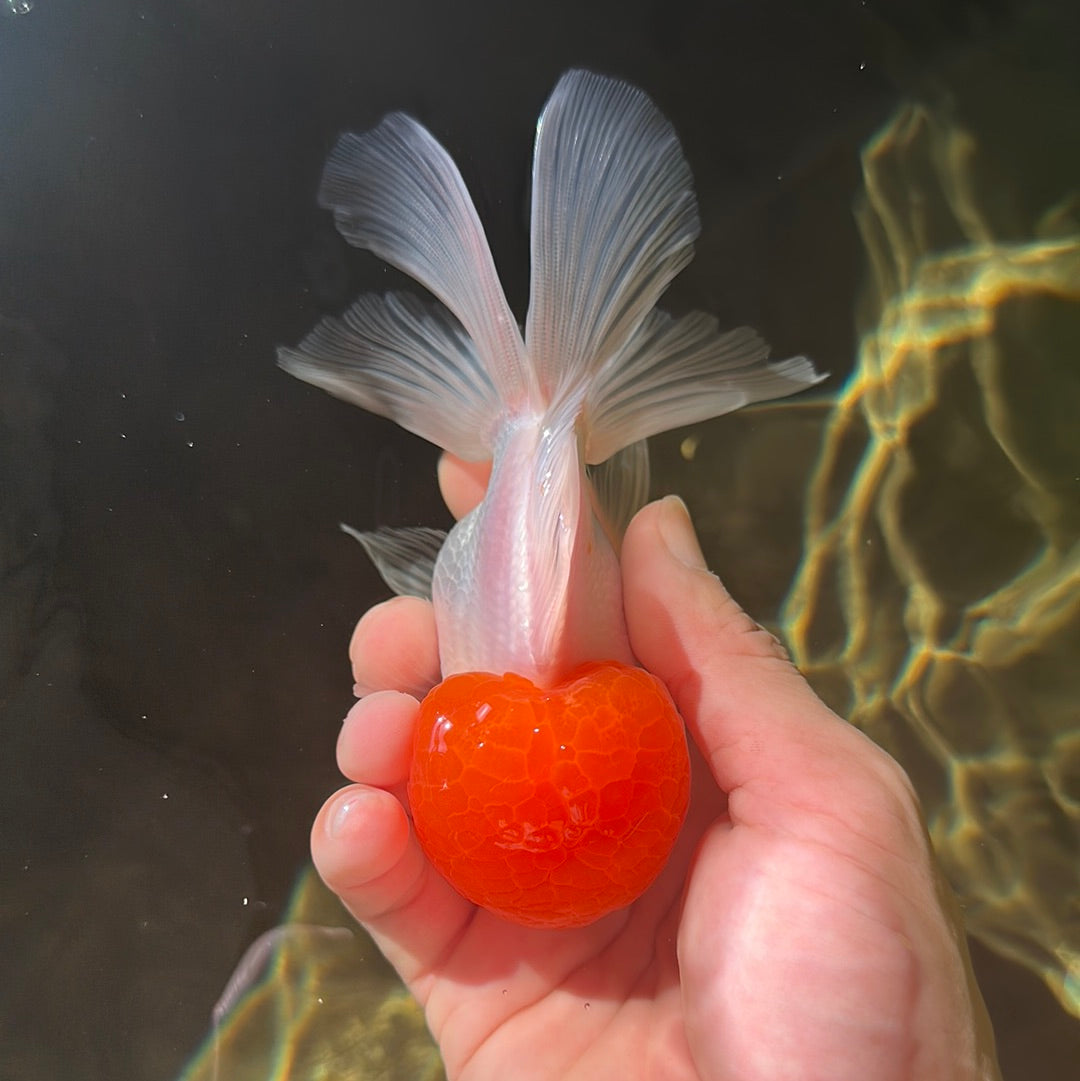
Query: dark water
[{"x": 175, "y": 598}]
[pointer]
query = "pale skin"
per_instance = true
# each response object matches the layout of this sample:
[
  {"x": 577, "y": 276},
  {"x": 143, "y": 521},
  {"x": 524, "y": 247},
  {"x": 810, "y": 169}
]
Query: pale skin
[{"x": 800, "y": 932}]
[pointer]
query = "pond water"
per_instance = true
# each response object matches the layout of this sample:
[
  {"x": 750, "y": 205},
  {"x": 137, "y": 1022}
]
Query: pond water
[{"x": 888, "y": 189}]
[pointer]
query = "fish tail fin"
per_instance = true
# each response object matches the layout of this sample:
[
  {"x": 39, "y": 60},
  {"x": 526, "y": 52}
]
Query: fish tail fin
[
  {"x": 446, "y": 373},
  {"x": 614, "y": 218}
]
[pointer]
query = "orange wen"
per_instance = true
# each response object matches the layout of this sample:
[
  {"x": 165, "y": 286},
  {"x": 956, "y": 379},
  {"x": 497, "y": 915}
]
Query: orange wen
[{"x": 550, "y": 807}]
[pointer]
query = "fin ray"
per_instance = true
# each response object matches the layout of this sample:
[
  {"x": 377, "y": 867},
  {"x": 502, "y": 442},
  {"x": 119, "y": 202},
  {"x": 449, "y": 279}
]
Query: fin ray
[
  {"x": 396, "y": 192},
  {"x": 621, "y": 484},
  {"x": 404, "y": 557},
  {"x": 674, "y": 372},
  {"x": 407, "y": 360},
  {"x": 614, "y": 217}
]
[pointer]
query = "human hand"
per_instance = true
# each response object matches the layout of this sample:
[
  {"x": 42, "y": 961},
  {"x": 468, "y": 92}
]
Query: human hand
[{"x": 800, "y": 930}]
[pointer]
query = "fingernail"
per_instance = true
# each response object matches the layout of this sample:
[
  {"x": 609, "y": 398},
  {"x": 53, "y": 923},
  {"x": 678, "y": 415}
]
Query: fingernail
[
  {"x": 677, "y": 532},
  {"x": 344, "y": 814}
]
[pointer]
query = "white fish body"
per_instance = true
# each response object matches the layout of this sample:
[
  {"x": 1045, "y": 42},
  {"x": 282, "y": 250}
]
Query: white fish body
[{"x": 529, "y": 581}]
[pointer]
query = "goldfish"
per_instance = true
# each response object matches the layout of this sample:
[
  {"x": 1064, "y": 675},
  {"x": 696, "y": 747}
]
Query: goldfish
[{"x": 528, "y": 584}]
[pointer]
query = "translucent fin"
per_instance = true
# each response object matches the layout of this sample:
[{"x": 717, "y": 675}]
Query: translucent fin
[
  {"x": 613, "y": 221},
  {"x": 259, "y": 959},
  {"x": 621, "y": 485},
  {"x": 408, "y": 360},
  {"x": 395, "y": 191},
  {"x": 405, "y": 557},
  {"x": 680, "y": 371},
  {"x": 259, "y": 955}
]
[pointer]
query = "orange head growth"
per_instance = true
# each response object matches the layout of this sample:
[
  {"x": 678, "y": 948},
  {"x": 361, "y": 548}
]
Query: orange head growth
[{"x": 550, "y": 807}]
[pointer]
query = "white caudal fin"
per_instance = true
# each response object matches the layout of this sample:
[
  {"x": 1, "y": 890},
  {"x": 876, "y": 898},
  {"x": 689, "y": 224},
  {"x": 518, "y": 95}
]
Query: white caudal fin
[
  {"x": 613, "y": 221},
  {"x": 681, "y": 371},
  {"x": 408, "y": 360},
  {"x": 395, "y": 191},
  {"x": 614, "y": 218},
  {"x": 520, "y": 583}
]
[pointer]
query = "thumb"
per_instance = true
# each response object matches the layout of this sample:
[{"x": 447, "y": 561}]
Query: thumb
[{"x": 751, "y": 712}]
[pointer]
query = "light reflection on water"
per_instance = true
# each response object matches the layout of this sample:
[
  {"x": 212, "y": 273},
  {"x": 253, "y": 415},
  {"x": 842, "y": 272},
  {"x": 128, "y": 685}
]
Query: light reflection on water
[{"x": 938, "y": 601}]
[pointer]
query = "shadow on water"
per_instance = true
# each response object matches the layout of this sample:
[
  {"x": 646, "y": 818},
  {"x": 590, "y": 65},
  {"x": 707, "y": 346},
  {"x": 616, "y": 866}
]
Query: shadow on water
[{"x": 175, "y": 596}]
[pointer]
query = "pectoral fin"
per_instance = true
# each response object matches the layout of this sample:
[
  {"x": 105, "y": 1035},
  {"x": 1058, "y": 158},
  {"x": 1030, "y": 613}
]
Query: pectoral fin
[{"x": 404, "y": 557}]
